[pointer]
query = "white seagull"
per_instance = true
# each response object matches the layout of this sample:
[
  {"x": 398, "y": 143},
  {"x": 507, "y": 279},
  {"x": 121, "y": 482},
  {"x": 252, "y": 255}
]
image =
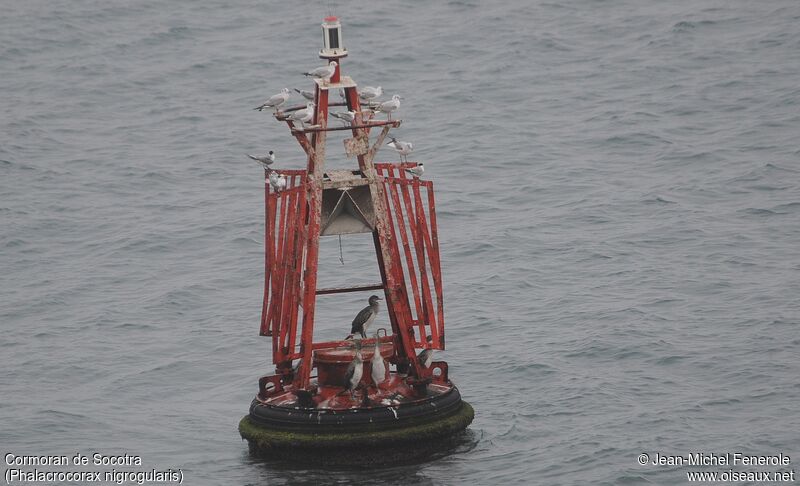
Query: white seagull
[
  {"x": 403, "y": 148},
  {"x": 417, "y": 171},
  {"x": 389, "y": 106},
  {"x": 345, "y": 116},
  {"x": 323, "y": 72},
  {"x": 277, "y": 181},
  {"x": 275, "y": 101},
  {"x": 378, "y": 365},
  {"x": 352, "y": 377},
  {"x": 303, "y": 116},
  {"x": 425, "y": 357},
  {"x": 264, "y": 161},
  {"x": 309, "y": 95},
  {"x": 369, "y": 93}
]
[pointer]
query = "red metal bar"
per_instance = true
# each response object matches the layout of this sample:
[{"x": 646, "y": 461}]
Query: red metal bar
[
  {"x": 277, "y": 275},
  {"x": 357, "y": 288},
  {"x": 287, "y": 262},
  {"x": 314, "y": 188},
  {"x": 354, "y": 104},
  {"x": 392, "y": 188},
  {"x": 397, "y": 297},
  {"x": 436, "y": 265},
  {"x": 269, "y": 259},
  {"x": 422, "y": 226},
  {"x": 367, "y": 125},
  {"x": 413, "y": 225},
  {"x": 300, "y": 237}
]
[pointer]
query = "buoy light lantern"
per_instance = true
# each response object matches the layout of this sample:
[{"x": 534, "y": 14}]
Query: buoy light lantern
[{"x": 332, "y": 39}]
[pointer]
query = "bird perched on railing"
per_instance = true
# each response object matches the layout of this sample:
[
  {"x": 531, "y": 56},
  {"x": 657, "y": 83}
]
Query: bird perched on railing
[
  {"x": 345, "y": 116},
  {"x": 425, "y": 357},
  {"x": 324, "y": 72},
  {"x": 277, "y": 181},
  {"x": 303, "y": 116},
  {"x": 264, "y": 161},
  {"x": 378, "y": 364},
  {"x": 309, "y": 95},
  {"x": 275, "y": 101},
  {"x": 389, "y": 106},
  {"x": 417, "y": 171},
  {"x": 364, "y": 318},
  {"x": 368, "y": 93},
  {"x": 403, "y": 148},
  {"x": 355, "y": 370}
]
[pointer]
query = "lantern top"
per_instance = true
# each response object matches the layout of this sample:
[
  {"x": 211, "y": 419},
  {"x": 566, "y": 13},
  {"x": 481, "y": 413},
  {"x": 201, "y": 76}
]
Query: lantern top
[{"x": 332, "y": 45}]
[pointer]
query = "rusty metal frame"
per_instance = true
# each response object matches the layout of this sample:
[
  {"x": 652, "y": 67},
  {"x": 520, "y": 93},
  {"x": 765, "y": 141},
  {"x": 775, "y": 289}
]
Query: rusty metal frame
[{"x": 405, "y": 239}]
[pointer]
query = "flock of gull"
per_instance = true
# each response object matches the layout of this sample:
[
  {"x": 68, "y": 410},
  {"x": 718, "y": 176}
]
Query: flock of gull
[{"x": 369, "y": 94}]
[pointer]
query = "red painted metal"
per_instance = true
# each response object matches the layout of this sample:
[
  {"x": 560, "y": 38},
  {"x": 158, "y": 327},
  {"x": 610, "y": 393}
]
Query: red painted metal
[{"x": 407, "y": 253}]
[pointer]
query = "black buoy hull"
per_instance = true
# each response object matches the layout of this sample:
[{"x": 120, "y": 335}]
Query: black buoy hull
[{"x": 412, "y": 438}]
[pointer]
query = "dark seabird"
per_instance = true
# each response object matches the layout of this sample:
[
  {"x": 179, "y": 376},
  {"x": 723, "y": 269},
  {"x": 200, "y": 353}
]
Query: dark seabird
[
  {"x": 354, "y": 372},
  {"x": 365, "y": 318}
]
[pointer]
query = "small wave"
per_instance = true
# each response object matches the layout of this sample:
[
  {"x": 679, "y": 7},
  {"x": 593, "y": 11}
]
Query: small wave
[{"x": 687, "y": 25}]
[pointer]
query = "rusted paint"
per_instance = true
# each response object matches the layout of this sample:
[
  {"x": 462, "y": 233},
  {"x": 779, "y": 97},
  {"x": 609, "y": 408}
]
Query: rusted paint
[
  {"x": 404, "y": 236},
  {"x": 358, "y": 145}
]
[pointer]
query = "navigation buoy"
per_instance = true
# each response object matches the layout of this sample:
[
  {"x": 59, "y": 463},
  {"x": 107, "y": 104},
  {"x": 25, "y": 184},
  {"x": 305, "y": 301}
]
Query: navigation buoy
[{"x": 317, "y": 407}]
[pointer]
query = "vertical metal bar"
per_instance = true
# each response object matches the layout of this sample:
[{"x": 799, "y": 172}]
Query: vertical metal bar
[
  {"x": 393, "y": 189},
  {"x": 436, "y": 265},
  {"x": 354, "y": 104},
  {"x": 422, "y": 230},
  {"x": 300, "y": 242},
  {"x": 280, "y": 259},
  {"x": 288, "y": 263},
  {"x": 394, "y": 283},
  {"x": 314, "y": 188},
  {"x": 268, "y": 258},
  {"x": 413, "y": 225}
]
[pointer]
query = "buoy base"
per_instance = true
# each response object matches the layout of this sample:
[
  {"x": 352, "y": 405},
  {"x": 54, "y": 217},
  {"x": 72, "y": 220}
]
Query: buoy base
[{"x": 362, "y": 447}]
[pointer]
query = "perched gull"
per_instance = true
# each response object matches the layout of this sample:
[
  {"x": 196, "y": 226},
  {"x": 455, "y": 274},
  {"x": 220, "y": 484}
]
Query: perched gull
[
  {"x": 365, "y": 317},
  {"x": 324, "y": 72},
  {"x": 403, "y": 148},
  {"x": 303, "y": 116},
  {"x": 277, "y": 181},
  {"x": 389, "y": 106},
  {"x": 266, "y": 160},
  {"x": 369, "y": 93},
  {"x": 425, "y": 357},
  {"x": 345, "y": 116},
  {"x": 417, "y": 171},
  {"x": 378, "y": 365},
  {"x": 275, "y": 101},
  {"x": 309, "y": 95},
  {"x": 355, "y": 370}
]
